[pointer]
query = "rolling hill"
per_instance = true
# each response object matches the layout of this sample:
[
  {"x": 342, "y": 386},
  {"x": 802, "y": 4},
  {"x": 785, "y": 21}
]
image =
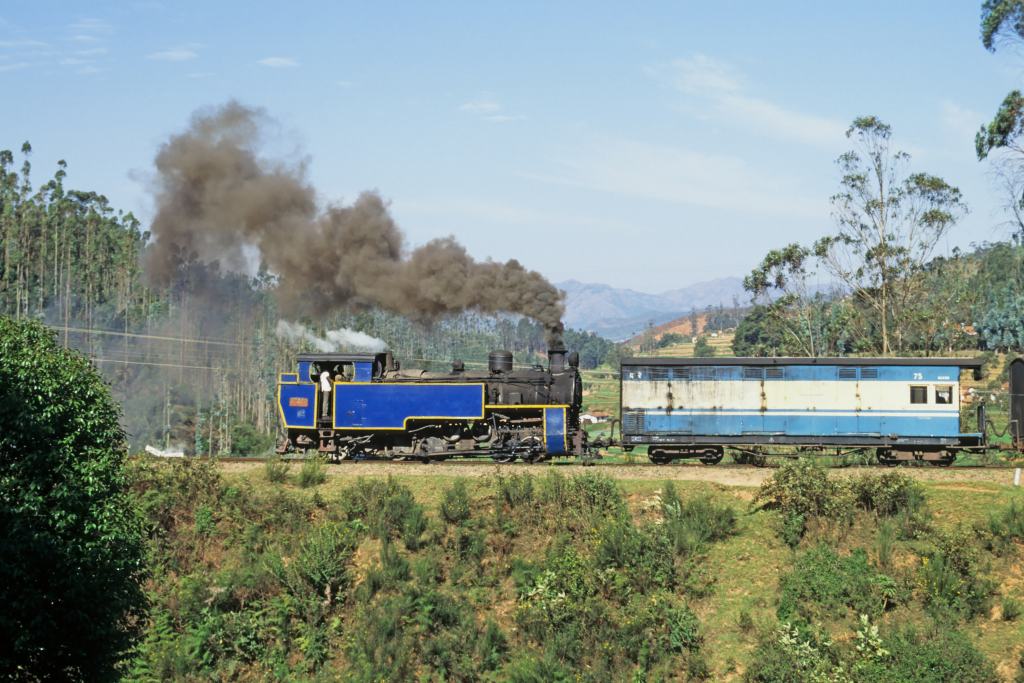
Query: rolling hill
[{"x": 619, "y": 313}]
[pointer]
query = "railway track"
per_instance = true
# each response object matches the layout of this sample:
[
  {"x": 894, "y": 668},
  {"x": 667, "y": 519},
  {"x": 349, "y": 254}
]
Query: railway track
[
  {"x": 567, "y": 462},
  {"x": 720, "y": 475}
]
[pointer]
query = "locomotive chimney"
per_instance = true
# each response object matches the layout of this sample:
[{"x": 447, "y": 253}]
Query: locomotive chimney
[
  {"x": 556, "y": 358},
  {"x": 499, "y": 361}
]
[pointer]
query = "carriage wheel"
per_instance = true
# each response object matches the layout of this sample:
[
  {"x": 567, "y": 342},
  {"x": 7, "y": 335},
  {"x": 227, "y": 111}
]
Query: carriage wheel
[
  {"x": 712, "y": 456},
  {"x": 659, "y": 457}
]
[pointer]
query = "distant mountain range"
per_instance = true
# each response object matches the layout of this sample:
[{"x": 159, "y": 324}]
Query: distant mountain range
[{"x": 620, "y": 313}]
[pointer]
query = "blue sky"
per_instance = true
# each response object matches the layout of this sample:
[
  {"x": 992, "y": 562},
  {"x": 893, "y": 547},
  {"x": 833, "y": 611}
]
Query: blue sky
[{"x": 649, "y": 146}]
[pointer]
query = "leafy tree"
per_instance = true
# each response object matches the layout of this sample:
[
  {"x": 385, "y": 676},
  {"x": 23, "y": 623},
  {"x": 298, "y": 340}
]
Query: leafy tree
[
  {"x": 1005, "y": 19},
  {"x": 702, "y": 349},
  {"x": 888, "y": 224},
  {"x": 670, "y": 339},
  {"x": 70, "y": 539},
  {"x": 785, "y": 272}
]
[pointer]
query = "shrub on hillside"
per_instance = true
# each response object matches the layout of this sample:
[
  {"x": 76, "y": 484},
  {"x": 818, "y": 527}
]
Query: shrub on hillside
[
  {"x": 70, "y": 537},
  {"x": 275, "y": 470},
  {"x": 514, "y": 490},
  {"x": 584, "y": 497},
  {"x": 691, "y": 525},
  {"x": 887, "y": 494},
  {"x": 950, "y": 576},
  {"x": 794, "y": 655},
  {"x": 941, "y": 655},
  {"x": 321, "y": 566},
  {"x": 312, "y": 472},
  {"x": 801, "y": 488},
  {"x": 455, "y": 503},
  {"x": 1005, "y": 527},
  {"x": 644, "y": 556},
  {"x": 385, "y": 506},
  {"x": 823, "y": 584}
]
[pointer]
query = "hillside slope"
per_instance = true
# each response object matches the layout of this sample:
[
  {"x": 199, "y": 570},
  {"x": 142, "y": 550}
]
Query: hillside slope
[{"x": 619, "y": 313}]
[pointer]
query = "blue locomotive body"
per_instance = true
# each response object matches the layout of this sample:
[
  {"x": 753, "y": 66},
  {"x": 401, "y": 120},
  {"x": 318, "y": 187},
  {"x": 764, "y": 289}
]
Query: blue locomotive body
[
  {"x": 689, "y": 407},
  {"x": 347, "y": 405}
]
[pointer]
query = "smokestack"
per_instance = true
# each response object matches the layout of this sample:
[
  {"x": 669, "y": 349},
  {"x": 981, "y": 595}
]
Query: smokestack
[
  {"x": 556, "y": 358},
  {"x": 219, "y": 201},
  {"x": 499, "y": 361}
]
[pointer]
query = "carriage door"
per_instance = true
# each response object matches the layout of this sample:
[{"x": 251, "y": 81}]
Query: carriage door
[{"x": 1017, "y": 402}]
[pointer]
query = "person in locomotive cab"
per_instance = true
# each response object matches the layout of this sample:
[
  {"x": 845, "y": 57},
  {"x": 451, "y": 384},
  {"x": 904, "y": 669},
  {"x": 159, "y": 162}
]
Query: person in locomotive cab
[{"x": 325, "y": 389}]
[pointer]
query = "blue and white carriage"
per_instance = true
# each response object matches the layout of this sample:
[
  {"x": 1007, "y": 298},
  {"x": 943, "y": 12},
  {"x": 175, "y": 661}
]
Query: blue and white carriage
[{"x": 903, "y": 408}]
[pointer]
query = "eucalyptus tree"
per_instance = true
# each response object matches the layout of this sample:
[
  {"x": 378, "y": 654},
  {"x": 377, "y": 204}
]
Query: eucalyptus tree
[{"x": 888, "y": 222}]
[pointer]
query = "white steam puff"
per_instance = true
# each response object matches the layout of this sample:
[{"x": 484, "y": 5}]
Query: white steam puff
[{"x": 333, "y": 340}]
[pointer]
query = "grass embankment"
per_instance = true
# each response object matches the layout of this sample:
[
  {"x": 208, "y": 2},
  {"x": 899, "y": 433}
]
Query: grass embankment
[{"x": 534, "y": 577}]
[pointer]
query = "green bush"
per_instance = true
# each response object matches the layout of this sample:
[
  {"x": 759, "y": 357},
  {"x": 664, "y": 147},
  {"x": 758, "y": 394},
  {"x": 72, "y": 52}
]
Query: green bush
[
  {"x": 643, "y": 555},
  {"x": 794, "y": 655},
  {"x": 887, "y": 494},
  {"x": 71, "y": 540},
  {"x": 1005, "y": 527},
  {"x": 884, "y": 543},
  {"x": 692, "y": 525},
  {"x": 515, "y": 490},
  {"x": 823, "y": 584},
  {"x": 582, "y": 497},
  {"x": 939, "y": 656},
  {"x": 950, "y": 576},
  {"x": 455, "y": 503},
  {"x": 385, "y": 506},
  {"x": 247, "y": 440},
  {"x": 275, "y": 470},
  {"x": 1011, "y": 609},
  {"x": 801, "y": 488},
  {"x": 312, "y": 472},
  {"x": 321, "y": 567}
]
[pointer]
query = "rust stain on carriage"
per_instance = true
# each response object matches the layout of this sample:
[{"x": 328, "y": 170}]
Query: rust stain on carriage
[
  {"x": 764, "y": 398},
  {"x": 670, "y": 399}
]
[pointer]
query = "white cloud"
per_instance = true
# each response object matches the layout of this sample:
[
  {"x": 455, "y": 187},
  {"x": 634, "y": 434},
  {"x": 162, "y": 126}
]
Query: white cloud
[
  {"x": 200, "y": 74},
  {"x": 684, "y": 176},
  {"x": 92, "y": 52},
  {"x": 721, "y": 94},
  {"x": 480, "y": 107},
  {"x": 15, "y": 44},
  {"x": 91, "y": 25},
  {"x": 74, "y": 61},
  {"x": 14, "y": 66},
  {"x": 700, "y": 74},
  {"x": 174, "y": 54},
  {"x": 963, "y": 122},
  {"x": 278, "y": 62},
  {"x": 344, "y": 84},
  {"x": 489, "y": 109}
]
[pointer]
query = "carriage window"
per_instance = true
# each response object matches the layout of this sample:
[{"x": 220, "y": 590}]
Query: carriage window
[
  {"x": 944, "y": 395},
  {"x": 918, "y": 394}
]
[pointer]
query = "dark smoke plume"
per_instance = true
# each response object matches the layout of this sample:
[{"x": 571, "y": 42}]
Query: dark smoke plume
[{"x": 217, "y": 200}]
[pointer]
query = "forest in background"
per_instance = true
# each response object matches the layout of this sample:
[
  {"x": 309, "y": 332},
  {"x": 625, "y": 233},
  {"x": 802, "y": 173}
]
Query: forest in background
[{"x": 194, "y": 363}]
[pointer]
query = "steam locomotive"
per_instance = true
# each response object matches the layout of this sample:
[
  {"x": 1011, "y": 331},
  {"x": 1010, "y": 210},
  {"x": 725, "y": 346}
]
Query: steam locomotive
[{"x": 350, "y": 405}]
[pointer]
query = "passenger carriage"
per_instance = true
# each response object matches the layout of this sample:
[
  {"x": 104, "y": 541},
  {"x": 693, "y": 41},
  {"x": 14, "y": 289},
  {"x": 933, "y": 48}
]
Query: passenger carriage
[{"x": 902, "y": 408}]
